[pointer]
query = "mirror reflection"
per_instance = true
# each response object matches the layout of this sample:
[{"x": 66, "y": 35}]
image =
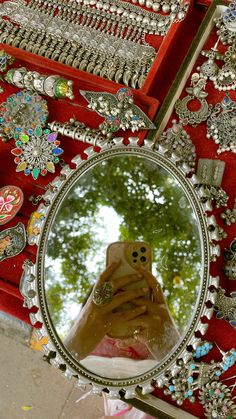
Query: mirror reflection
[{"x": 123, "y": 266}]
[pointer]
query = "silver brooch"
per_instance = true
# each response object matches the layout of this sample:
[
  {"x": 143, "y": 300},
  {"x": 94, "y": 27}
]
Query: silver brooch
[
  {"x": 119, "y": 111},
  {"x": 217, "y": 401},
  {"x": 37, "y": 154},
  {"x": 12, "y": 241},
  {"x": 221, "y": 125},
  {"x": 210, "y": 173},
  {"x": 176, "y": 140},
  {"x": 21, "y": 113},
  {"x": 230, "y": 261},
  {"x": 225, "y": 307},
  {"x": 196, "y": 93}
]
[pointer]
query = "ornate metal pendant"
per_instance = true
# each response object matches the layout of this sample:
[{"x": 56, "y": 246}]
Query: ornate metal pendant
[
  {"x": 119, "y": 111},
  {"x": 225, "y": 307},
  {"x": 12, "y": 241},
  {"x": 195, "y": 92},
  {"x": 177, "y": 141},
  {"x": 230, "y": 261},
  {"x": 22, "y": 113},
  {"x": 37, "y": 154},
  {"x": 11, "y": 200},
  {"x": 209, "y": 69},
  {"x": 221, "y": 126}
]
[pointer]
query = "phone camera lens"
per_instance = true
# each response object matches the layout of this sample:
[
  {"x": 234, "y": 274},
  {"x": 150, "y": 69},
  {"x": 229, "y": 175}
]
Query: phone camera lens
[
  {"x": 134, "y": 260},
  {"x": 143, "y": 249},
  {"x": 134, "y": 254},
  {"x": 143, "y": 259}
]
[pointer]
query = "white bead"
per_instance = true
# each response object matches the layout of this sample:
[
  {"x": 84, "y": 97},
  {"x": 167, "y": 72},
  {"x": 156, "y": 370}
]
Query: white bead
[
  {"x": 149, "y": 3},
  {"x": 156, "y": 7},
  {"x": 165, "y": 8},
  {"x": 141, "y": 2}
]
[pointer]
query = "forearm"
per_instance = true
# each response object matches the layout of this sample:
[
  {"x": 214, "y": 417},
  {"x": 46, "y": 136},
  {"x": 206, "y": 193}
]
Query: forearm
[
  {"x": 161, "y": 344},
  {"x": 82, "y": 339}
]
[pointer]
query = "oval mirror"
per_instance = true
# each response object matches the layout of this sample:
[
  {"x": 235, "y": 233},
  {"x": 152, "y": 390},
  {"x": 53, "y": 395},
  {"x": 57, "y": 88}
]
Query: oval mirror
[{"x": 141, "y": 202}]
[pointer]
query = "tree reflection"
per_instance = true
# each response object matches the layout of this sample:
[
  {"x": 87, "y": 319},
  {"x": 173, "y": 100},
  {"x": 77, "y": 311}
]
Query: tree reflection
[{"x": 150, "y": 206}]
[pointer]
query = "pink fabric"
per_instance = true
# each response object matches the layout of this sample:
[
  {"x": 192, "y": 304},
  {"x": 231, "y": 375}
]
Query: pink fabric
[
  {"x": 109, "y": 348},
  {"x": 118, "y": 408}
]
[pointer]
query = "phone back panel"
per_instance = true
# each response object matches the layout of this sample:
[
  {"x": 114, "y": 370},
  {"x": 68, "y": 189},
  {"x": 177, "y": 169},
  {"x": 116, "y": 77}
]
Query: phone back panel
[{"x": 132, "y": 256}]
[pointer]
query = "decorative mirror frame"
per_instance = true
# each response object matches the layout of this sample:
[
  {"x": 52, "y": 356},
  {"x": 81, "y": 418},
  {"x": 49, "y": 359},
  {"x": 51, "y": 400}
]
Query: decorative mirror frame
[{"x": 32, "y": 279}]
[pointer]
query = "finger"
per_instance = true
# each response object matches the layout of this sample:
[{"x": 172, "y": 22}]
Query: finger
[
  {"x": 141, "y": 322},
  {"x": 156, "y": 309},
  {"x": 131, "y": 314},
  {"x": 105, "y": 275},
  {"x": 154, "y": 285},
  {"x": 118, "y": 283},
  {"x": 125, "y": 297}
]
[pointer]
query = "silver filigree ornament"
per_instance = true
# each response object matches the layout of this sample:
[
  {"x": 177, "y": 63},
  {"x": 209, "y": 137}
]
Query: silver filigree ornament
[
  {"x": 195, "y": 375},
  {"x": 176, "y": 140},
  {"x": 230, "y": 261},
  {"x": 225, "y": 80},
  {"x": 221, "y": 125},
  {"x": 225, "y": 307},
  {"x": 229, "y": 215},
  {"x": 12, "y": 241},
  {"x": 217, "y": 401},
  {"x": 37, "y": 154},
  {"x": 209, "y": 69},
  {"x": 119, "y": 111},
  {"x": 226, "y": 24},
  {"x": 21, "y": 113},
  {"x": 196, "y": 93}
]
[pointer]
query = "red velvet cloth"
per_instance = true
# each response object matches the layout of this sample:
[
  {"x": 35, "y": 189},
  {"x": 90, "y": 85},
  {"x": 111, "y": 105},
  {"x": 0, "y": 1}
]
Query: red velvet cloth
[{"x": 170, "y": 54}]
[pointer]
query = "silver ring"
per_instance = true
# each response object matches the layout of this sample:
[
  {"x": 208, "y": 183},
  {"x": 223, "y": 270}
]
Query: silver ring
[{"x": 103, "y": 294}]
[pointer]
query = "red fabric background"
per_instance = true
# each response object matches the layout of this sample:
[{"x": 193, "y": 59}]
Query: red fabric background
[{"x": 169, "y": 57}]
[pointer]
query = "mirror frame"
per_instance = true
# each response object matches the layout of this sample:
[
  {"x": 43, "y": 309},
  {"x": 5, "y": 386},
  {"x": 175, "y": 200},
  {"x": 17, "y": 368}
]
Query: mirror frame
[{"x": 32, "y": 281}]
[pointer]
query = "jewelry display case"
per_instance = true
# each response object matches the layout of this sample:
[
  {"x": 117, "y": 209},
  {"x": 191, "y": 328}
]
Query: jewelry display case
[{"x": 178, "y": 95}]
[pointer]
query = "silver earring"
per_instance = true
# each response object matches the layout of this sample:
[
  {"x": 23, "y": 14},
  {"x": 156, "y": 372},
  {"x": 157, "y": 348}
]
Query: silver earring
[
  {"x": 209, "y": 69},
  {"x": 225, "y": 307},
  {"x": 210, "y": 174},
  {"x": 221, "y": 125}
]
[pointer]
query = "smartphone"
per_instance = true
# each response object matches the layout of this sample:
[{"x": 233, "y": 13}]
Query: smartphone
[{"x": 132, "y": 255}]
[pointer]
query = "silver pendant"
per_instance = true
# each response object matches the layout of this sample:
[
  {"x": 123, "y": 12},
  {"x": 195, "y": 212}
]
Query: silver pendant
[
  {"x": 177, "y": 141},
  {"x": 196, "y": 93},
  {"x": 221, "y": 126},
  {"x": 230, "y": 261},
  {"x": 12, "y": 241}
]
